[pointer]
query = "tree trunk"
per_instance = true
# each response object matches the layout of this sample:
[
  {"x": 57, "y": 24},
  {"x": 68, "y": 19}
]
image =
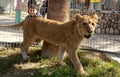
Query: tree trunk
[{"x": 57, "y": 10}]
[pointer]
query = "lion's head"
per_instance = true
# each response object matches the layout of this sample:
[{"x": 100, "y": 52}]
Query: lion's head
[{"x": 86, "y": 24}]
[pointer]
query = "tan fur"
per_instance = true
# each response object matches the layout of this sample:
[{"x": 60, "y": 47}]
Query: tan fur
[
  {"x": 14, "y": 26},
  {"x": 58, "y": 10},
  {"x": 67, "y": 35}
]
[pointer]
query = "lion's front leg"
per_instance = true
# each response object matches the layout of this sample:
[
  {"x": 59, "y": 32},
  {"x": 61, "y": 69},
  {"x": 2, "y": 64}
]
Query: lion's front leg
[
  {"x": 61, "y": 56},
  {"x": 76, "y": 62}
]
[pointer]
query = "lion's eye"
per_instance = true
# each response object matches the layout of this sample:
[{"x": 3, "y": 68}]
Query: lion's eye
[
  {"x": 84, "y": 23},
  {"x": 93, "y": 24}
]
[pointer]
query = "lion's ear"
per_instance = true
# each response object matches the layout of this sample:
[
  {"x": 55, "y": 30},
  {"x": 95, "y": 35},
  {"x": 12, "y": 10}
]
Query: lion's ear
[
  {"x": 95, "y": 16},
  {"x": 78, "y": 17}
]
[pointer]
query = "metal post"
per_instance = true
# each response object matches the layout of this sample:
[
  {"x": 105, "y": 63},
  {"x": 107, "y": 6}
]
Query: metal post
[
  {"x": 118, "y": 8},
  {"x": 108, "y": 4},
  {"x": 18, "y": 11},
  {"x": 10, "y": 7}
]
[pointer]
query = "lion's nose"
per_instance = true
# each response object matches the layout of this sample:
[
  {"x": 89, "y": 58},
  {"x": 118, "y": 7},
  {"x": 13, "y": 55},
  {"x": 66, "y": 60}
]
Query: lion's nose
[{"x": 89, "y": 31}]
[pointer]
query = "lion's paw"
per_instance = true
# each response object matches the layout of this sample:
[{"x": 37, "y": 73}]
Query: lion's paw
[
  {"x": 84, "y": 73},
  {"x": 62, "y": 64}
]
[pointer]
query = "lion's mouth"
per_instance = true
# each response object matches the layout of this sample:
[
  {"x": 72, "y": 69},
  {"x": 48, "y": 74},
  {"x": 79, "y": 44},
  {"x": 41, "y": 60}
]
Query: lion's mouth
[{"x": 87, "y": 36}]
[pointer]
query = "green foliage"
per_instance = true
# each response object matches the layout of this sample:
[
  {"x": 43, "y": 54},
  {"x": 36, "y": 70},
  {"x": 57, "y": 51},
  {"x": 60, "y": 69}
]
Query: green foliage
[
  {"x": 95, "y": 65},
  {"x": 95, "y": 68},
  {"x": 57, "y": 71}
]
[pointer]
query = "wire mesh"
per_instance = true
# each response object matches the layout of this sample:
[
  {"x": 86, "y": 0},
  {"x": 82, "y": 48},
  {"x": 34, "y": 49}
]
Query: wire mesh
[
  {"x": 107, "y": 35},
  {"x": 9, "y": 37},
  {"x": 101, "y": 40}
]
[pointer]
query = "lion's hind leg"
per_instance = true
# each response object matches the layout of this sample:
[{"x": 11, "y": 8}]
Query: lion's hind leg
[
  {"x": 61, "y": 56},
  {"x": 27, "y": 41}
]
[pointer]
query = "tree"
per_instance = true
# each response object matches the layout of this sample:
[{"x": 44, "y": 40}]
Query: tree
[{"x": 57, "y": 10}]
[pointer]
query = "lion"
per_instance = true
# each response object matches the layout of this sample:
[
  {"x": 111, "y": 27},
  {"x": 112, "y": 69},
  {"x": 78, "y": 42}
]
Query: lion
[{"x": 68, "y": 35}]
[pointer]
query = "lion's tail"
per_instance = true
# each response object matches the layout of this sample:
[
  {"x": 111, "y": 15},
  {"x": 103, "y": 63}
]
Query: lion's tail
[{"x": 14, "y": 26}]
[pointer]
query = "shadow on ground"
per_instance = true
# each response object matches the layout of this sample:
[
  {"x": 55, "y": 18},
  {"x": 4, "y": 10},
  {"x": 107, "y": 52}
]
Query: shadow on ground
[{"x": 12, "y": 64}]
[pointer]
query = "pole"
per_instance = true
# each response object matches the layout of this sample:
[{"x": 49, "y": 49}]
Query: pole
[
  {"x": 108, "y": 4},
  {"x": 10, "y": 7},
  {"x": 18, "y": 11}
]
